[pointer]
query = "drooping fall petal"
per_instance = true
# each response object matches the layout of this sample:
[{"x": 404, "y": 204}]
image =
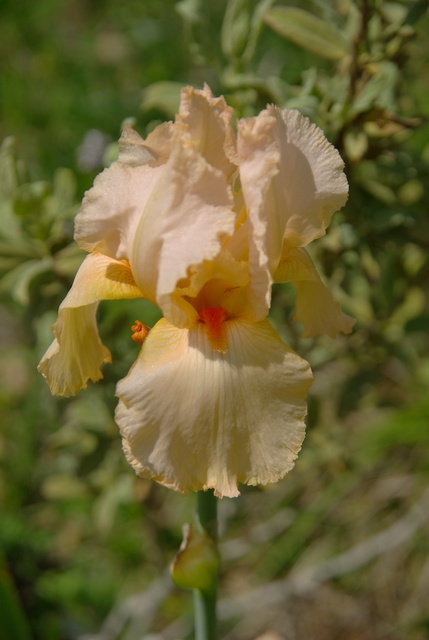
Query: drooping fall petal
[
  {"x": 316, "y": 308},
  {"x": 77, "y": 352},
  {"x": 192, "y": 417}
]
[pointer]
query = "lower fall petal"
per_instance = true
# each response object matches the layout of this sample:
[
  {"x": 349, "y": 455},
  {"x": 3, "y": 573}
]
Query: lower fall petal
[
  {"x": 193, "y": 418},
  {"x": 318, "y": 312},
  {"x": 77, "y": 353},
  {"x": 316, "y": 308}
]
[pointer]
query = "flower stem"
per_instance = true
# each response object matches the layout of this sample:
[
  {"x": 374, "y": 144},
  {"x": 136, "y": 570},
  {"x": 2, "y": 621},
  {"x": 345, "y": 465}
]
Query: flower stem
[{"x": 205, "y": 601}]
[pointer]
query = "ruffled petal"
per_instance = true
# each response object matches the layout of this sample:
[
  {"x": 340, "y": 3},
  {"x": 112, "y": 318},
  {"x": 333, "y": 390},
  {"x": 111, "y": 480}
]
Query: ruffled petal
[
  {"x": 292, "y": 180},
  {"x": 77, "y": 352},
  {"x": 316, "y": 308},
  {"x": 259, "y": 159},
  {"x": 208, "y": 122},
  {"x": 112, "y": 208},
  {"x": 186, "y": 220},
  {"x": 193, "y": 418}
]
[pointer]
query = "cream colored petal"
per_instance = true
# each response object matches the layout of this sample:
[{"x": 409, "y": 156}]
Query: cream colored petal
[
  {"x": 154, "y": 150},
  {"x": 295, "y": 265},
  {"x": 292, "y": 180},
  {"x": 112, "y": 208},
  {"x": 259, "y": 159},
  {"x": 208, "y": 122},
  {"x": 193, "y": 418},
  {"x": 215, "y": 283},
  {"x": 77, "y": 353},
  {"x": 186, "y": 220},
  {"x": 316, "y": 308}
]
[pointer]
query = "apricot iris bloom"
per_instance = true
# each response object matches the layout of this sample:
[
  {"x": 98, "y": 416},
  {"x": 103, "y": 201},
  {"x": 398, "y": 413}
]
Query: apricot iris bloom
[{"x": 202, "y": 222}]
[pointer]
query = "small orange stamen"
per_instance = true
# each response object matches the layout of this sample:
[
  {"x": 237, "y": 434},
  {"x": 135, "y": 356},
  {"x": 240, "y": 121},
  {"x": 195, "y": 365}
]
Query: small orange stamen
[
  {"x": 214, "y": 319},
  {"x": 140, "y": 332}
]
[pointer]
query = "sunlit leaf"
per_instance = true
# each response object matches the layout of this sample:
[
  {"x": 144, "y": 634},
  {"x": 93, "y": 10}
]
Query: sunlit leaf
[
  {"x": 63, "y": 486},
  {"x": 189, "y": 10},
  {"x": 164, "y": 96},
  {"x": 236, "y": 27},
  {"x": 8, "y": 170},
  {"x": 17, "y": 282},
  {"x": 308, "y": 31},
  {"x": 379, "y": 91}
]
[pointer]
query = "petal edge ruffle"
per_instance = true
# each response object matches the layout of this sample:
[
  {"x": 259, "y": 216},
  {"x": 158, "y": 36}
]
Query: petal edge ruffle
[
  {"x": 316, "y": 308},
  {"x": 77, "y": 353},
  {"x": 193, "y": 418}
]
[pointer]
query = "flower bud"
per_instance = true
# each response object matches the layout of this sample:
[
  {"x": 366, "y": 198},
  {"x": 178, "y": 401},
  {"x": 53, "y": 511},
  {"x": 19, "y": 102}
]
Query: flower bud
[{"x": 196, "y": 565}]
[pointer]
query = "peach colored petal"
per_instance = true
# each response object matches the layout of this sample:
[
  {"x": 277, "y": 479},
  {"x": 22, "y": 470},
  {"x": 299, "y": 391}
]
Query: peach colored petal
[
  {"x": 77, "y": 352},
  {"x": 259, "y": 159},
  {"x": 216, "y": 282},
  {"x": 292, "y": 180},
  {"x": 194, "y": 418},
  {"x": 208, "y": 122},
  {"x": 112, "y": 208},
  {"x": 154, "y": 150},
  {"x": 316, "y": 308},
  {"x": 185, "y": 222}
]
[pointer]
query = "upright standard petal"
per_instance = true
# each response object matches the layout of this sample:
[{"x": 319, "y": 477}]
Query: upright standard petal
[
  {"x": 259, "y": 158},
  {"x": 184, "y": 224},
  {"x": 196, "y": 418},
  {"x": 208, "y": 122},
  {"x": 77, "y": 353},
  {"x": 292, "y": 180},
  {"x": 112, "y": 208},
  {"x": 316, "y": 308}
]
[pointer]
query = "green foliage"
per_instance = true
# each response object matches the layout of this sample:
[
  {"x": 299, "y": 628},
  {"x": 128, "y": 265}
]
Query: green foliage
[
  {"x": 79, "y": 533},
  {"x": 308, "y": 31}
]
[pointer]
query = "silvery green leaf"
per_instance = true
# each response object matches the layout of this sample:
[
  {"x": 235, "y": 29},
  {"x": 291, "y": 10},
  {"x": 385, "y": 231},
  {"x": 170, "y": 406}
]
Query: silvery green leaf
[
  {"x": 379, "y": 91},
  {"x": 164, "y": 96},
  {"x": 17, "y": 281},
  {"x": 308, "y": 31},
  {"x": 256, "y": 24},
  {"x": 236, "y": 28},
  {"x": 65, "y": 187},
  {"x": 29, "y": 197},
  {"x": 189, "y": 10},
  {"x": 8, "y": 170}
]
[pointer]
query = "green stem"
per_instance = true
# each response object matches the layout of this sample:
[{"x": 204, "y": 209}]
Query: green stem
[
  {"x": 205, "y": 601},
  {"x": 207, "y": 512}
]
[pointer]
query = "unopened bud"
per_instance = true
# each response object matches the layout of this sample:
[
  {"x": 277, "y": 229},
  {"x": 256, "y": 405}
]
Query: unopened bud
[{"x": 196, "y": 565}]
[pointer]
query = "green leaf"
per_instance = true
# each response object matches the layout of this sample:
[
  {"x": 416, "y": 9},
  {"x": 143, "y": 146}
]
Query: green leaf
[
  {"x": 308, "y": 31},
  {"x": 379, "y": 91},
  {"x": 236, "y": 27},
  {"x": 14, "y": 624},
  {"x": 164, "y": 96},
  {"x": 256, "y": 28},
  {"x": 29, "y": 197},
  {"x": 64, "y": 187},
  {"x": 8, "y": 171},
  {"x": 189, "y": 11},
  {"x": 416, "y": 10},
  {"x": 18, "y": 281}
]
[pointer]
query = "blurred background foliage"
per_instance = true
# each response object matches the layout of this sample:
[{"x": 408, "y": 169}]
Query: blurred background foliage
[{"x": 339, "y": 548}]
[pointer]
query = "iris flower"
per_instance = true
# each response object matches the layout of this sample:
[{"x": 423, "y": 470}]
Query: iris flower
[{"x": 202, "y": 222}]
